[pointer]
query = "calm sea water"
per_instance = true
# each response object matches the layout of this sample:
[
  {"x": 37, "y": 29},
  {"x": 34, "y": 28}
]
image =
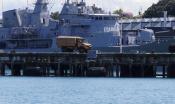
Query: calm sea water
[{"x": 29, "y": 90}]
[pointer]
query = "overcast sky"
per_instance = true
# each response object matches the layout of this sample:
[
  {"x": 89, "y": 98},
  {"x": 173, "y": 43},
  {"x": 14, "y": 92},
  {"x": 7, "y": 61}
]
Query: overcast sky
[{"x": 109, "y": 5}]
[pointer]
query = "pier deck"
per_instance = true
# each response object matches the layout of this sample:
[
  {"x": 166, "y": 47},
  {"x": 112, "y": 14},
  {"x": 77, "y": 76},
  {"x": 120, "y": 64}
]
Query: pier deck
[{"x": 80, "y": 65}]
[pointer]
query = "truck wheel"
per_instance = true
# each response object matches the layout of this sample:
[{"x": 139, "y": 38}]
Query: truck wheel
[
  {"x": 82, "y": 50},
  {"x": 70, "y": 50},
  {"x": 63, "y": 50},
  {"x": 67, "y": 50}
]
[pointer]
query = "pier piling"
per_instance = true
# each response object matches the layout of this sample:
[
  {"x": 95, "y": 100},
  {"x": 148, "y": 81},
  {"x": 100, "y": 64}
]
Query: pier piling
[
  {"x": 125, "y": 70},
  {"x": 137, "y": 70},
  {"x": 2, "y": 69},
  {"x": 171, "y": 70}
]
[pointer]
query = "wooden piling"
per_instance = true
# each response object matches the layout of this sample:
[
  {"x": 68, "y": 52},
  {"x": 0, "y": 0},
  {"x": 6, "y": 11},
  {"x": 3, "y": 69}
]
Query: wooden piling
[
  {"x": 164, "y": 71},
  {"x": 136, "y": 70},
  {"x": 16, "y": 69},
  {"x": 171, "y": 70},
  {"x": 125, "y": 70},
  {"x": 2, "y": 69}
]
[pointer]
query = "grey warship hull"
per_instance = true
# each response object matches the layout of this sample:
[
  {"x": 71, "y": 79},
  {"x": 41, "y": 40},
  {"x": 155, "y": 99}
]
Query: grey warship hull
[
  {"x": 34, "y": 31},
  {"x": 157, "y": 47}
]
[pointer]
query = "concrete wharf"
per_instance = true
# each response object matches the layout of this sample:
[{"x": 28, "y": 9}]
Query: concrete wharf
[{"x": 141, "y": 65}]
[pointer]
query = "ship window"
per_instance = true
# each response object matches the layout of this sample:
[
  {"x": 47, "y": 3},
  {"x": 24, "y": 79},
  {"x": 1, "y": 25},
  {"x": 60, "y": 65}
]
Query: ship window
[
  {"x": 45, "y": 7},
  {"x": 106, "y": 18},
  {"x": 110, "y": 18},
  {"x": 100, "y": 18},
  {"x": 14, "y": 14},
  {"x": 113, "y": 18},
  {"x": 44, "y": 21},
  {"x": 67, "y": 21},
  {"x": 96, "y": 18},
  {"x": 92, "y": 17}
]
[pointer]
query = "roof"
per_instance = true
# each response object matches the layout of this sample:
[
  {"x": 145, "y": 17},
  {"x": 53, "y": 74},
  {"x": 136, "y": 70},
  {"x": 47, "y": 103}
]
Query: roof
[
  {"x": 70, "y": 37},
  {"x": 103, "y": 14},
  {"x": 146, "y": 20}
]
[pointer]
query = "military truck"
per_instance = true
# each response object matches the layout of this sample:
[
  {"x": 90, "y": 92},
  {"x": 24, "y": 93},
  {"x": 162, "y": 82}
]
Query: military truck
[{"x": 73, "y": 43}]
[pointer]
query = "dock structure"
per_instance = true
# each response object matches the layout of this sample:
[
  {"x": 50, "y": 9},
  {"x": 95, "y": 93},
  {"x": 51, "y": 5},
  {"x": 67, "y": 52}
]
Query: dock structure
[
  {"x": 80, "y": 65},
  {"x": 136, "y": 24}
]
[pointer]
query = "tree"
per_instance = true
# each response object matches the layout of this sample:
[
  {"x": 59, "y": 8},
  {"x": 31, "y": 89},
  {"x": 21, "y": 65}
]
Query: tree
[
  {"x": 156, "y": 10},
  {"x": 123, "y": 14},
  {"x": 118, "y": 11},
  {"x": 55, "y": 15}
]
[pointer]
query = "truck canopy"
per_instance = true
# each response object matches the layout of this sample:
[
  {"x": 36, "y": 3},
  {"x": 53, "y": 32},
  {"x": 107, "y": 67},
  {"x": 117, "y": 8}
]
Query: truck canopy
[{"x": 68, "y": 41}]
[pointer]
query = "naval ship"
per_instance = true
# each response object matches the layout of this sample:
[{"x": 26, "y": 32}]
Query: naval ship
[{"x": 29, "y": 30}]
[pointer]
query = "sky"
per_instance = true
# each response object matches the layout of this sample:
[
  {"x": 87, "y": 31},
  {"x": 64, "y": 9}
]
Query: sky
[{"x": 133, "y": 6}]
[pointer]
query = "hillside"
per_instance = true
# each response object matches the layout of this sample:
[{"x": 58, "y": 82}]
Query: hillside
[{"x": 156, "y": 10}]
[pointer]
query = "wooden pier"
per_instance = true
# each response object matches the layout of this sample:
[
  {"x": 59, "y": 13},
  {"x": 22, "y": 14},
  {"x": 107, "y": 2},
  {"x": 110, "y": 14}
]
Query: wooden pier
[{"x": 80, "y": 65}]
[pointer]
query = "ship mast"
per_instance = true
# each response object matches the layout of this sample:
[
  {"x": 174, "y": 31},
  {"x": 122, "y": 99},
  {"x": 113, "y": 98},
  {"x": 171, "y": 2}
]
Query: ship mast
[
  {"x": 121, "y": 37},
  {"x": 2, "y": 5},
  {"x": 165, "y": 18},
  {"x": 1, "y": 15},
  {"x": 27, "y": 3}
]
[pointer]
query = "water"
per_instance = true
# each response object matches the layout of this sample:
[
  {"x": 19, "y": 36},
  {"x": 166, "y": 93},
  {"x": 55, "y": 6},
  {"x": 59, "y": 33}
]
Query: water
[{"x": 31, "y": 90}]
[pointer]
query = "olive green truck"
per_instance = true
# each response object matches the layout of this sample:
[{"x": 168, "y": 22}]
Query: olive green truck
[{"x": 73, "y": 43}]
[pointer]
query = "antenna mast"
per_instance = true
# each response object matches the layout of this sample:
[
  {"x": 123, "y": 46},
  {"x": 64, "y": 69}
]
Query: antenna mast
[
  {"x": 27, "y": 3},
  {"x": 2, "y": 5},
  {"x": 165, "y": 18}
]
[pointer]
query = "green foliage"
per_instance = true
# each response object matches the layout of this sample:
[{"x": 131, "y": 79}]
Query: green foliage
[
  {"x": 119, "y": 11},
  {"x": 55, "y": 15},
  {"x": 123, "y": 14},
  {"x": 156, "y": 10}
]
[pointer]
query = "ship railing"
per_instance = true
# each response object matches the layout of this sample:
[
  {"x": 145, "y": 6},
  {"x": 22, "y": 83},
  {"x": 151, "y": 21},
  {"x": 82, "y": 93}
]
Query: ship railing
[{"x": 147, "y": 20}]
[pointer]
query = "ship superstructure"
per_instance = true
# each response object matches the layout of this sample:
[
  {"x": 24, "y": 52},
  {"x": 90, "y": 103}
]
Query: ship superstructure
[
  {"x": 28, "y": 29},
  {"x": 89, "y": 22}
]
